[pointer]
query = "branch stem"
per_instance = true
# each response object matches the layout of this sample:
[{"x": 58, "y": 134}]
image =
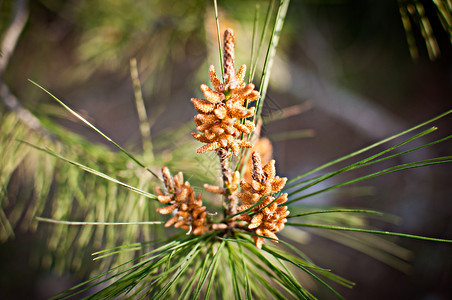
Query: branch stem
[{"x": 230, "y": 202}]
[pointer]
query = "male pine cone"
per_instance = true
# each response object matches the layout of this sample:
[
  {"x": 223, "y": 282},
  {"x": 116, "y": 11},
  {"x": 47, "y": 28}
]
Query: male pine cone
[
  {"x": 268, "y": 217},
  {"x": 222, "y": 115},
  {"x": 189, "y": 213}
]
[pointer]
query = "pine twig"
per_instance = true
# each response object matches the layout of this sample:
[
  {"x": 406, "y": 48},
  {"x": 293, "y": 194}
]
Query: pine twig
[
  {"x": 7, "y": 46},
  {"x": 145, "y": 128},
  {"x": 230, "y": 203},
  {"x": 12, "y": 33}
]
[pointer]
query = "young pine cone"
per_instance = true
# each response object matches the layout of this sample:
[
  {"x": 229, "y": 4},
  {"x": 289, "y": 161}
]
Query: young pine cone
[
  {"x": 265, "y": 149},
  {"x": 189, "y": 214},
  {"x": 268, "y": 217},
  {"x": 221, "y": 117}
]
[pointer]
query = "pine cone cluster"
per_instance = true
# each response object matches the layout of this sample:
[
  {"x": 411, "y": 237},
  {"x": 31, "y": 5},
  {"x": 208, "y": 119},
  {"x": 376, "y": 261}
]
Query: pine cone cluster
[
  {"x": 221, "y": 117},
  {"x": 268, "y": 217},
  {"x": 189, "y": 213}
]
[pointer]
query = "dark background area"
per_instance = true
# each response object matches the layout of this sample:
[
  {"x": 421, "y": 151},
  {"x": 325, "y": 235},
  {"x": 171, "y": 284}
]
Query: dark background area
[{"x": 348, "y": 60}]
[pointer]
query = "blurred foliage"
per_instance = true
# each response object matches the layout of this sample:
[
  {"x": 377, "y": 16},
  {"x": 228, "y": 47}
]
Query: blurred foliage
[{"x": 422, "y": 15}]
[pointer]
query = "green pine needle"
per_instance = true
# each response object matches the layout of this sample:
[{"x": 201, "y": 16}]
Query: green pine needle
[
  {"x": 342, "y": 210},
  {"x": 365, "y": 149},
  {"x": 78, "y": 116},
  {"x": 388, "y": 233},
  {"x": 97, "y": 173}
]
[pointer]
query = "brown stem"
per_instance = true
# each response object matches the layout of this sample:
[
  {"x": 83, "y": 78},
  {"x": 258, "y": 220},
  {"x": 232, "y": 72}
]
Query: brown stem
[
  {"x": 230, "y": 202},
  {"x": 224, "y": 162}
]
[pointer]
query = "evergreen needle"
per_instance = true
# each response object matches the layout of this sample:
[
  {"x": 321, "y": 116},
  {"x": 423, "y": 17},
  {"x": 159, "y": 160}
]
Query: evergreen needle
[
  {"x": 95, "y": 129},
  {"x": 62, "y": 222},
  {"x": 333, "y": 227}
]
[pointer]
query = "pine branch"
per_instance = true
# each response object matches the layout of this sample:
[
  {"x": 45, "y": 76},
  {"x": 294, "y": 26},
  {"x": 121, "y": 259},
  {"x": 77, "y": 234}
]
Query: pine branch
[{"x": 230, "y": 203}]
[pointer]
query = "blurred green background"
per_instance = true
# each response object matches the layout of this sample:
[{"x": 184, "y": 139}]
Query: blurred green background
[{"x": 346, "y": 64}]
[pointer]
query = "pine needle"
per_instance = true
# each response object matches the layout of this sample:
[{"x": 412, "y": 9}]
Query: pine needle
[
  {"x": 95, "y": 129},
  {"x": 388, "y": 233},
  {"x": 74, "y": 223}
]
